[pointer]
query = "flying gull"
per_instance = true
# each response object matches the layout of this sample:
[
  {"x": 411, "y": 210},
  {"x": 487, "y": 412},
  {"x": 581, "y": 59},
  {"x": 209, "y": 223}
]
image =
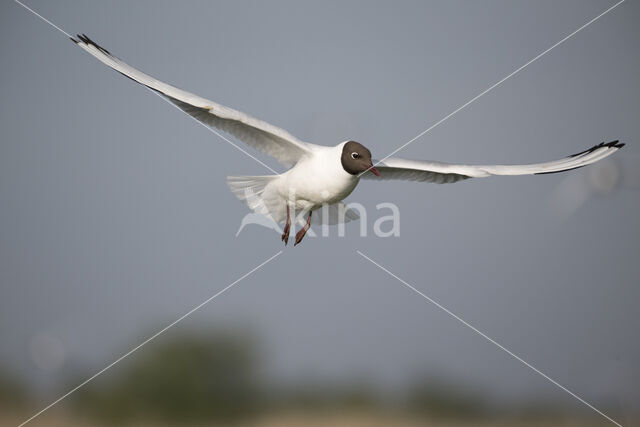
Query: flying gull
[{"x": 320, "y": 175}]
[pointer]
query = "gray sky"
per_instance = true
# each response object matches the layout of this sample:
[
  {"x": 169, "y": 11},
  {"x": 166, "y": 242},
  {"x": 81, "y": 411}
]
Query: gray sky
[{"x": 115, "y": 217}]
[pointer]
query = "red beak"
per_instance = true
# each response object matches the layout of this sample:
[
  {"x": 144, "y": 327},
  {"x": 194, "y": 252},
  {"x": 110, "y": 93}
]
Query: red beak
[{"x": 374, "y": 171}]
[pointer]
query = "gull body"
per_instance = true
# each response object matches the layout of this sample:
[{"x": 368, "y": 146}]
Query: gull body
[
  {"x": 318, "y": 179},
  {"x": 319, "y": 175}
]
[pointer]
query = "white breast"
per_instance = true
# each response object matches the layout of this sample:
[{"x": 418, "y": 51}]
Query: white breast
[{"x": 318, "y": 179}]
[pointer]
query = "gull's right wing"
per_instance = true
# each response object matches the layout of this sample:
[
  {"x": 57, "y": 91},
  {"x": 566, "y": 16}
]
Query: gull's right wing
[{"x": 256, "y": 133}]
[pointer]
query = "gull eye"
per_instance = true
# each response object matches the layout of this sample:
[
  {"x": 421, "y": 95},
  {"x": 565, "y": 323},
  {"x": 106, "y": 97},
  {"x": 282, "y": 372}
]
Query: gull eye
[{"x": 355, "y": 155}]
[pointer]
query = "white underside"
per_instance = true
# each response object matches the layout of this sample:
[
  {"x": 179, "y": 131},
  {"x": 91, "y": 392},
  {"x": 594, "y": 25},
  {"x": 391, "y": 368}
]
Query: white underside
[{"x": 317, "y": 184}]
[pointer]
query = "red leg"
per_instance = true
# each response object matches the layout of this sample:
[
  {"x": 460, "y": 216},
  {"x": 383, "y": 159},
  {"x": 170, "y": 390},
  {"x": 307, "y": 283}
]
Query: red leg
[
  {"x": 303, "y": 230},
  {"x": 287, "y": 228}
]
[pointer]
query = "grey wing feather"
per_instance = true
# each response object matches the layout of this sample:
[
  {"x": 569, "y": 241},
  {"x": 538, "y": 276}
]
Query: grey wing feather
[{"x": 256, "y": 133}]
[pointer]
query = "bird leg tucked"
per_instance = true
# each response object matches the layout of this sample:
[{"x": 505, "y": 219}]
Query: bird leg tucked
[
  {"x": 303, "y": 230},
  {"x": 287, "y": 228}
]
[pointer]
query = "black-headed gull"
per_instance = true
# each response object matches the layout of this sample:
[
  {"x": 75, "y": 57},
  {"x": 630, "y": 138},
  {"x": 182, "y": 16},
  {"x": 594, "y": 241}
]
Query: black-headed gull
[{"x": 319, "y": 175}]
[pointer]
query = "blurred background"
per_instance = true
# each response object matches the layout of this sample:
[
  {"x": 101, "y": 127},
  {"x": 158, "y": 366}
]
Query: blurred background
[{"x": 115, "y": 218}]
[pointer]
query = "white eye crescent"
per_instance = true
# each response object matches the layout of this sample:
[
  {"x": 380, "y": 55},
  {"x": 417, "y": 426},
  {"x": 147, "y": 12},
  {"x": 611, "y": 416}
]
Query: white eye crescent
[{"x": 355, "y": 155}]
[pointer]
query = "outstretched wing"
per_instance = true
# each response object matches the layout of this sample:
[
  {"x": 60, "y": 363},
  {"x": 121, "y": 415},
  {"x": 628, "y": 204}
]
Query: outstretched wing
[
  {"x": 260, "y": 135},
  {"x": 445, "y": 173}
]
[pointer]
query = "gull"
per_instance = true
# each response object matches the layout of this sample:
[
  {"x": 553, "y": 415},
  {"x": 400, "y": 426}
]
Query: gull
[{"x": 319, "y": 176}]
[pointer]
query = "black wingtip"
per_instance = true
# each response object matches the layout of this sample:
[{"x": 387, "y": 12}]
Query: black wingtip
[
  {"x": 74, "y": 40},
  {"x": 612, "y": 144},
  {"x": 85, "y": 39},
  {"x": 615, "y": 144}
]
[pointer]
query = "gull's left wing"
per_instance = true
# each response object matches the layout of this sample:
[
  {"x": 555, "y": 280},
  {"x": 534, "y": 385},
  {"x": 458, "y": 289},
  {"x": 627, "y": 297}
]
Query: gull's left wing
[
  {"x": 260, "y": 135},
  {"x": 445, "y": 173}
]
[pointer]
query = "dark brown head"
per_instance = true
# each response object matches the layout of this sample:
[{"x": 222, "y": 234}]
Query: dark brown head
[{"x": 356, "y": 159}]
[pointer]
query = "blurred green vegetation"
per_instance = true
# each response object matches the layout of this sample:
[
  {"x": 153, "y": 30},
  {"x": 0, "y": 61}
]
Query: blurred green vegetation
[
  {"x": 214, "y": 377},
  {"x": 12, "y": 395},
  {"x": 188, "y": 378}
]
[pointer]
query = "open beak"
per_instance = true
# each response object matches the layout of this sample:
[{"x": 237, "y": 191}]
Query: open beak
[{"x": 374, "y": 171}]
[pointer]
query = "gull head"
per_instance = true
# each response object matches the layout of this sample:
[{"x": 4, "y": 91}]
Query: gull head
[{"x": 356, "y": 159}]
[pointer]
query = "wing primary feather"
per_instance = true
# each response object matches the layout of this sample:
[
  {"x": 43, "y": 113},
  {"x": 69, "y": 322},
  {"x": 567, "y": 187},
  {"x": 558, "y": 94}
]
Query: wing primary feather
[
  {"x": 559, "y": 171},
  {"x": 87, "y": 40},
  {"x": 612, "y": 144}
]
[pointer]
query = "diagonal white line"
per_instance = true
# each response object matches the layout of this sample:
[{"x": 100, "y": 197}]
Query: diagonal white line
[
  {"x": 161, "y": 331},
  {"x": 43, "y": 18},
  {"x": 491, "y": 340},
  {"x": 498, "y": 83},
  {"x": 161, "y": 96}
]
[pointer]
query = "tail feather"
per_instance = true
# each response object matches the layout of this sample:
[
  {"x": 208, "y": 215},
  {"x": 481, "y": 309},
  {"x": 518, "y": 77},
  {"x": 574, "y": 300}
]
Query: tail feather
[{"x": 251, "y": 190}]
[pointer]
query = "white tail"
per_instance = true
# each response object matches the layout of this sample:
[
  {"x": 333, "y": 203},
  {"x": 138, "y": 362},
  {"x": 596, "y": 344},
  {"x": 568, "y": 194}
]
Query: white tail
[{"x": 251, "y": 190}]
